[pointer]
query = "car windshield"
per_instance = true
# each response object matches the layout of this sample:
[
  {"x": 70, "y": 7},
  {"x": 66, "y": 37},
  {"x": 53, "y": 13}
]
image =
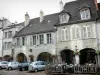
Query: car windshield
[{"x": 4, "y": 62}]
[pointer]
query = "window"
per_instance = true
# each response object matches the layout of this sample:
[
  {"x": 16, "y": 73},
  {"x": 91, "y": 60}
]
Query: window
[
  {"x": 23, "y": 41},
  {"x": 5, "y": 46},
  {"x": 48, "y": 38},
  {"x": 31, "y": 40},
  {"x": 85, "y": 14},
  {"x": 9, "y": 45},
  {"x": 86, "y": 31},
  {"x": 34, "y": 40},
  {"x": 5, "y": 34},
  {"x": 9, "y": 34},
  {"x": 75, "y": 33},
  {"x": 64, "y": 18},
  {"x": 18, "y": 41},
  {"x": 41, "y": 39},
  {"x": 64, "y": 34},
  {"x": 89, "y": 31}
]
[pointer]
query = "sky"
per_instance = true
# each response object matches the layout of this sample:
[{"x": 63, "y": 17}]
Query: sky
[{"x": 14, "y": 10}]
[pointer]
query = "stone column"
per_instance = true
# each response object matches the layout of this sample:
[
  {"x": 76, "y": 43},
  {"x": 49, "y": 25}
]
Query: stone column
[{"x": 77, "y": 59}]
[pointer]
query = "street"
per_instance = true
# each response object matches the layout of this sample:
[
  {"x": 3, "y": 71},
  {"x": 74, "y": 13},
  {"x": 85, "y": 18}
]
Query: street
[{"x": 16, "y": 72}]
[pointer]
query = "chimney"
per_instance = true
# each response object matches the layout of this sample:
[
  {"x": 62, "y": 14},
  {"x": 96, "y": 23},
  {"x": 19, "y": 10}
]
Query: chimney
[
  {"x": 61, "y": 5},
  {"x": 96, "y": 4},
  {"x": 27, "y": 19},
  {"x": 41, "y": 16}
]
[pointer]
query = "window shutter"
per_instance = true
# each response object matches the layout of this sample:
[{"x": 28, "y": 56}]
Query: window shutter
[
  {"x": 66, "y": 34},
  {"x": 62, "y": 34},
  {"x": 30, "y": 40},
  {"x": 84, "y": 32},
  {"x": 77, "y": 33},
  {"x": 89, "y": 31},
  {"x": 73, "y": 33}
]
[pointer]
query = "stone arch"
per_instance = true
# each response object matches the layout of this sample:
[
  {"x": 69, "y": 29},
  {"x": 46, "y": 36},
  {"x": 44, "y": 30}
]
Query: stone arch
[
  {"x": 87, "y": 55},
  {"x": 67, "y": 56},
  {"x": 45, "y": 56},
  {"x": 21, "y": 57},
  {"x": 7, "y": 58}
]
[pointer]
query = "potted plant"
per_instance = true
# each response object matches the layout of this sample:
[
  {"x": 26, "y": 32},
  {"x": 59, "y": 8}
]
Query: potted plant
[{"x": 98, "y": 52}]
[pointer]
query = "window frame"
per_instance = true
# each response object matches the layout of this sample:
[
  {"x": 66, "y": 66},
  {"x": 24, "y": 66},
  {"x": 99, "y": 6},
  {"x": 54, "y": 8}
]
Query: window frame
[
  {"x": 85, "y": 14},
  {"x": 18, "y": 41},
  {"x": 88, "y": 32},
  {"x": 63, "y": 34},
  {"x": 41, "y": 39},
  {"x": 64, "y": 18},
  {"x": 34, "y": 40},
  {"x": 5, "y": 34},
  {"x": 23, "y": 41},
  {"x": 49, "y": 38}
]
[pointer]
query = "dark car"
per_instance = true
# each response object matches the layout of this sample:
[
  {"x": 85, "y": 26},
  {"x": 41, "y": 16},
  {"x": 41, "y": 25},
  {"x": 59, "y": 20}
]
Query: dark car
[{"x": 23, "y": 66}]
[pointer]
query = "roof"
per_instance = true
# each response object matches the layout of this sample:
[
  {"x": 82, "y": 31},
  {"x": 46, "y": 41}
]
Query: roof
[
  {"x": 35, "y": 26},
  {"x": 13, "y": 26},
  {"x": 74, "y": 10}
]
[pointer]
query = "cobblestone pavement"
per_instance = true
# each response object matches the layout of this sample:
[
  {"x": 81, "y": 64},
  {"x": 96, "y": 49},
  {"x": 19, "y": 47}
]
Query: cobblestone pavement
[{"x": 16, "y": 72}]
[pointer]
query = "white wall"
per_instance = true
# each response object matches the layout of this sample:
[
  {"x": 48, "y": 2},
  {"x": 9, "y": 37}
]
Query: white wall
[
  {"x": 81, "y": 43},
  {"x": 1, "y": 34},
  {"x": 37, "y": 49}
]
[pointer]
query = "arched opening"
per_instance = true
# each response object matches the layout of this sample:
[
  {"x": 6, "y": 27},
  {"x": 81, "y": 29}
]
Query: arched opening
[
  {"x": 31, "y": 58},
  {"x": 7, "y": 58},
  {"x": 45, "y": 56},
  {"x": 67, "y": 56},
  {"x": 21, "y": 57},
  {"x": 87, "y": 55}
]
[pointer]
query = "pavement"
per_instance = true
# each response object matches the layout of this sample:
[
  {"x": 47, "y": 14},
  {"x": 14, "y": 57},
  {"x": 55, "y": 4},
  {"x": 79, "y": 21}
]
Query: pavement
[{"x": 16, "y": 72}]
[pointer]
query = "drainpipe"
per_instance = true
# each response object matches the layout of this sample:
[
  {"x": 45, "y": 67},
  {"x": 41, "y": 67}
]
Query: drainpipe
[
  {"x": 2, "y": 38},
  {"x": 97, "y": 60}
]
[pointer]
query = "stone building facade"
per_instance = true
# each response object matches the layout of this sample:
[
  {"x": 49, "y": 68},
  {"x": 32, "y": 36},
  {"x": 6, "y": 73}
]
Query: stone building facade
[
  {"x": 8, "y": 32},
  {"x": 72, "y": 33}
]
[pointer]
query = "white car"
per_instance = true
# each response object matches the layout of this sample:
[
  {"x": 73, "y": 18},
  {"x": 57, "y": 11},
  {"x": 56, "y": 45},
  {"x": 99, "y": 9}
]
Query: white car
[
  {"x": 12, "y": 65},
  {"x": 37, "y": 65},
  {"x": 3, "y": 64}
]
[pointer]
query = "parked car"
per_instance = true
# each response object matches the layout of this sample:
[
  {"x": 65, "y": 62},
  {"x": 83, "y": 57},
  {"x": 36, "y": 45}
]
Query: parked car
[
  {"x": 12, "y": 65},
  {"x": 3, "y": 64},
  {"x": 23, "y": 66},
  {"x": 37, "y": 65}
]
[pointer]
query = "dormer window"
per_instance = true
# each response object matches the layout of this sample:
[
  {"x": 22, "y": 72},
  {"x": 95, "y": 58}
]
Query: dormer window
[
  {"x": 64, "y": 16},
  {"x": 85, "y": 14}
]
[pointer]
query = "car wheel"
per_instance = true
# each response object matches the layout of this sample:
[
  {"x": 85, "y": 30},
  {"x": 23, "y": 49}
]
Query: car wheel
[
  {"x": 36, "y": 70},
  {"x": 9, "y": 68}
]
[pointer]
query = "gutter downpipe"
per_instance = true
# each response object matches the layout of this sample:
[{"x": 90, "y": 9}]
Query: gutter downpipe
[
  {"x": 2, "y": 39},
  {"x": 97, "y": 38}
]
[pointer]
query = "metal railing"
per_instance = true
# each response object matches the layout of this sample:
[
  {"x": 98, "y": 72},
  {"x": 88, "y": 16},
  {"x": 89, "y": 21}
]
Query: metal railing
[{"x": 85, "y": 69}]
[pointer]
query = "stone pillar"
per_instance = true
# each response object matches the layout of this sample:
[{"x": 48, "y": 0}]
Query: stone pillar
[
  {"x": 28, "y": 59},
  {"x": 77, "y": 59}
]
